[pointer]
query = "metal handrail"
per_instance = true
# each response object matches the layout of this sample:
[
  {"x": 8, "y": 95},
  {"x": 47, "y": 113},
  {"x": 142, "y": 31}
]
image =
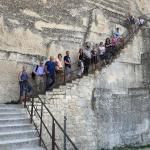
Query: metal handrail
[{"x": 43, "y": 125}]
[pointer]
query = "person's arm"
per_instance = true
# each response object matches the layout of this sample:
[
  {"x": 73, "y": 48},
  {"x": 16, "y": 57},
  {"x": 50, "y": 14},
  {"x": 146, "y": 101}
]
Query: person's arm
[
  {"x": 68, "y": 63},
  {"x": 78, "y": 56},
  {"x": 19, "y": 76},
  {"x": 108, "y": 45},
  {"x": 45, "y": 68},
  {"x": 92, "y": 53},
  {"x": 34, "y": 70},
  {"x": 65, "y": 61}
]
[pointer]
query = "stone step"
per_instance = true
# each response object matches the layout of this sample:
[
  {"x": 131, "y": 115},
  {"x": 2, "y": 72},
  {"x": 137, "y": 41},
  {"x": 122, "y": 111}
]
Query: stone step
[
  {"x": 12, "y": 115},
  {"x": 18, "y": 106},
  {"x": 19, "y": 143},
  {"x": 57, "y": 97},
  {"x": 14, "y": 121},
  {"x": 16, "y": 127},
  {"x": 56, "y": 90},
  {"x": 69, "y": 84},
  {"x": 16, "y": 130},
  {"x": 49, "y": 93},
  {"x": 42, "y": 96},
  {"x": 75, "y": 82},
  {"x": 31, "y": 148},
  {"x": 4, "y": 136},
  {"x": 12, "y": 110}
]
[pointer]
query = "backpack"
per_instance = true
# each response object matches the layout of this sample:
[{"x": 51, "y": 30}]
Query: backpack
[{"x": 33, "y": 75}]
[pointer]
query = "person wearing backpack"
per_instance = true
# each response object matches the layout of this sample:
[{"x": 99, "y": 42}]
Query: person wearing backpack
[
  {"x": 39, "y": 77},
  {"x": 24, "y": 84}
]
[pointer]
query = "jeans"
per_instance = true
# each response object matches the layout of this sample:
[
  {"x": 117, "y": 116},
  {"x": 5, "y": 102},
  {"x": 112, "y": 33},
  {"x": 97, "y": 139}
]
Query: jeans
[
  {"x": 40, "y": 83},
  {"x": 50, "y": 80},
  {"x": 24, "y": 87},
  {"x": 81, "y": 68},
  {"x": 86, "y": 65}
]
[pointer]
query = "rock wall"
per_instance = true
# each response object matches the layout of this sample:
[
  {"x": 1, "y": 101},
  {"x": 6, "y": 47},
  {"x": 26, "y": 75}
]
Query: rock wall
[
  {"x": 103, "y": 111},
  {"x": 47, "y": 27},
  {"x": 122, "y": 119},
  {"x": 11, "y": 63},
  {"x": 146, "y": 56}
]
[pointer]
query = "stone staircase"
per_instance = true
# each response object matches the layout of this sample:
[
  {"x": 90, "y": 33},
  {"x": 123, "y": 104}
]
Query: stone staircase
[
  {"x": 76, "y": 98},
  {"x": 16, "y": 131}
]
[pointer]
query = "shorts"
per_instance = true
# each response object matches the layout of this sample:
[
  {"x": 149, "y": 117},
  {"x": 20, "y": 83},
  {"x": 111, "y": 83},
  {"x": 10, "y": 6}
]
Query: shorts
[{"x": 68, "y": 71}]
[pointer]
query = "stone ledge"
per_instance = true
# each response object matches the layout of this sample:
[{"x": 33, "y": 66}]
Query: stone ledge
[{"x": 20, "y": 57}]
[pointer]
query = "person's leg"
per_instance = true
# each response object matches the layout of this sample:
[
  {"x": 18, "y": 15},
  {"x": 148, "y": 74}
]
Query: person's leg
[
  {"x": 82, "y": 68},
  {"x": 66, "y": 74},
  {"x": 21, "y": 91},
  {"x": 41, "y": 84},
  {"x": 79, "y": 72},
  {"x": 29, "y": 91},
  {"x": 85, "y": 66},
  {"x": 48, "y": 80},
  {"x": 38, "y": 83},
  {"x": 114, "y": 51},
  {"x": 69, "y": 73},
  {"x": 88, "y": 64},
  {"x": 52, "y": 81}
]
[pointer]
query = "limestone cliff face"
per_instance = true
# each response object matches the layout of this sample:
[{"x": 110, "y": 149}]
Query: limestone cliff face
[
  {"x": 48, "y": 27},
  {"x": 33, "y": 28},
  {"x": 30, "y": 28}
]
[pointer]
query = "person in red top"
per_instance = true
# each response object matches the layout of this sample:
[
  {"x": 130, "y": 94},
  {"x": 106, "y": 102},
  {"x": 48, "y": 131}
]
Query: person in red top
[
  {"x": 59, "y": 67},
  {"x": 114, "y": 42}
]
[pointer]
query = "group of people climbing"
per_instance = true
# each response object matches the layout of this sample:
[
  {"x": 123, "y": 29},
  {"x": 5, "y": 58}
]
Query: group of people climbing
[{"x": 60, "y": 68}]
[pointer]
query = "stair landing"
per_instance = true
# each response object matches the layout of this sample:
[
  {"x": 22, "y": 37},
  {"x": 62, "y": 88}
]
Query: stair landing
[{"x": 16, "y": 131}]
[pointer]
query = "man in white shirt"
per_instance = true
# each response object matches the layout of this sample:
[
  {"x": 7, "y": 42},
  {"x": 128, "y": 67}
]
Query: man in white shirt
[{"x": 40, "y": 72}]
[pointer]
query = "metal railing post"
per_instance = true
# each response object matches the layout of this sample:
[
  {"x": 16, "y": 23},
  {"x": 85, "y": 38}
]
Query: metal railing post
[
  {"x": 32, "y": 101},
  {"x": 65, "y": 130},
  {"x": 53, "y": 134},
  {"x": 41, "y": 123}
]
